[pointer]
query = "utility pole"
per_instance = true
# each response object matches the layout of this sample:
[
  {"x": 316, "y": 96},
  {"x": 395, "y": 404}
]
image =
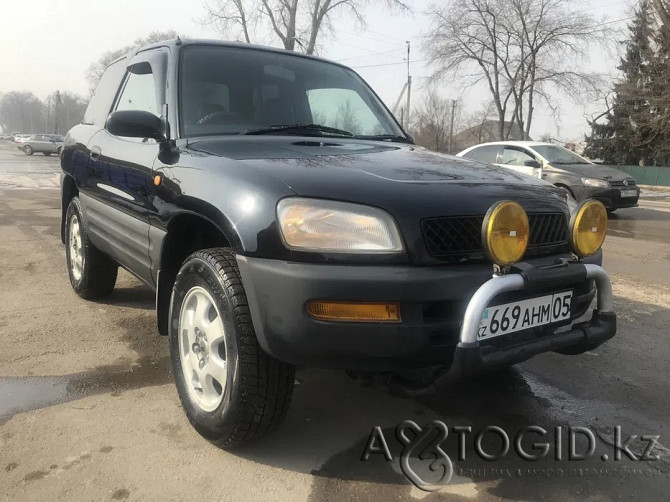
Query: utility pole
[
  {"x": 409, "y": 88},
  {"x": 58, "y": 100},
  {"x": 451, "y": 128}
]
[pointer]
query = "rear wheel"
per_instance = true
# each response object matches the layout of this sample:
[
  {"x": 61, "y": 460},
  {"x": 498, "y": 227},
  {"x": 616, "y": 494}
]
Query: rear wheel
[
  {"x": 92, "y": 274},
  {"x": 28, "y": 150},
  {"x": 231, "y": 390}
]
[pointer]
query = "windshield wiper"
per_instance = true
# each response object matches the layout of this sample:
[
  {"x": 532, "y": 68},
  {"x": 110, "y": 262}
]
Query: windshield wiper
[
  {"x": 385, "y": 137},
  {"x": 298, "y": 127}
]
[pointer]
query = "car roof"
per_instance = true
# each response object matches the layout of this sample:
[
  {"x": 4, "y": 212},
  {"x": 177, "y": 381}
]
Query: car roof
[{"x": 183, "y": 42}]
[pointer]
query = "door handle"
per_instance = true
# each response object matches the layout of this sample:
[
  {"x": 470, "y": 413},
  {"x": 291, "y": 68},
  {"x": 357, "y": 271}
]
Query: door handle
[{"x": 95, "y": 152}]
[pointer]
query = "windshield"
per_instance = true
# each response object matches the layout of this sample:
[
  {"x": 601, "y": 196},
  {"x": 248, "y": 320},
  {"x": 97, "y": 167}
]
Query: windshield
[
  {"x": 228, "y": 90},
  {"x": 558, "y": 155}
]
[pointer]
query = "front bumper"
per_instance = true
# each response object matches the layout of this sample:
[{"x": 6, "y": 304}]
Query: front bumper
[
  {"x": 580, "y": 337},
  {"x": 440, "y": 308},
  {"x": 610, "y": 197}
]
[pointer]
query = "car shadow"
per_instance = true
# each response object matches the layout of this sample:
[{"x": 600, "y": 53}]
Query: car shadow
[
  {"x": 332, "y": 416},
  {"x": 137, "y": 297}
]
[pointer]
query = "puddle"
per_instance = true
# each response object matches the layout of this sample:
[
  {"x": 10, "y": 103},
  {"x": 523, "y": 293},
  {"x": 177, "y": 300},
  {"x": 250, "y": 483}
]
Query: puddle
[
  {"x": 21, "y": 394},
  {"x": 17, "y": 393}
]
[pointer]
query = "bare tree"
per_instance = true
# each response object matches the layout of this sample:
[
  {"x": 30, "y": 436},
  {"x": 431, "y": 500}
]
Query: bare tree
[
  {"x": 96, "y": 69},
  {"x": 21, "y": 111},
  {"x": 521, "y": 49},
  {"x": 432, "y": 121},
  {"x": 296, "y": 23},
  {"x": 347, "y": 118}
]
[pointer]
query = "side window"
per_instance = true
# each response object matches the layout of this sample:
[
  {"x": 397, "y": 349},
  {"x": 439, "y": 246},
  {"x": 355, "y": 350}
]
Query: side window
[
  {"x": 486, "y": 153},
  {"x": 515, "y": 156},
  {"x": 139, "y": 91},
  {"x": 103, "y": 98}
]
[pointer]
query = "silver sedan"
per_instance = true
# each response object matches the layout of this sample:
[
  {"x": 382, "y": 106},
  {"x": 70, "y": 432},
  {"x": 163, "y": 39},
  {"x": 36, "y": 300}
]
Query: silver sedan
[{"x": 42, "y": 143}]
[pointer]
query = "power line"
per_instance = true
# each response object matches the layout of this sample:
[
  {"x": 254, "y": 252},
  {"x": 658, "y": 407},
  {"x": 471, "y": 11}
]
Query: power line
[
  {"x": 389, "y": 64},
  {"x": 368, "y": 55},
  {"x": 370, "y": 38},
  {"x": 383, "y": 34},
  {"x": 620, "y": 20}
]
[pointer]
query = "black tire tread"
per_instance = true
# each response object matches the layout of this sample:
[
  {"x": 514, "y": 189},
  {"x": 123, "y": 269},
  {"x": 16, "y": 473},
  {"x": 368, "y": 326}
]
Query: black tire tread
[
  {"x": 266, "y": 384},
  {"x": 100, "y": 272}
]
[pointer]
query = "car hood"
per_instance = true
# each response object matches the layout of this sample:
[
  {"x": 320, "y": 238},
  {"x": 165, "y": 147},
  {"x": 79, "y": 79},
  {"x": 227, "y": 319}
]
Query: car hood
[
  {"x": 594, "y": 171},
  {"x": 387, "y": 175}
]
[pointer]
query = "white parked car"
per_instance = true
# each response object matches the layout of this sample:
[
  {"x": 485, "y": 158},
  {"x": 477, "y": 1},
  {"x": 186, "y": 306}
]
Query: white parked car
[
  {"x": 513, "y": 155},
  {"x": 580, "y": 178}
]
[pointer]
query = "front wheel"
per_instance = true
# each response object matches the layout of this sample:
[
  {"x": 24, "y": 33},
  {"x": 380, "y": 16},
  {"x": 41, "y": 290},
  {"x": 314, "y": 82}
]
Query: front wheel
[
  {"x": 231, "y": 390},
  {"x": 28, "y": 150}
]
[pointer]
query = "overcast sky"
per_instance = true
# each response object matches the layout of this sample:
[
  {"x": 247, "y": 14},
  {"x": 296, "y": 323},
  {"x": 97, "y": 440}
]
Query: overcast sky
[{"x": 48, "y": 44}]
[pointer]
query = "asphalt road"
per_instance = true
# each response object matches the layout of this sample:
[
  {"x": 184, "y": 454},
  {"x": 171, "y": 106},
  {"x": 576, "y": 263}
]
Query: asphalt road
[{"x": 88, "y": 410}]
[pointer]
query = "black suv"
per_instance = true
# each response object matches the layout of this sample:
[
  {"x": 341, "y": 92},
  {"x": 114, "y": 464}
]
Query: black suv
[{"x": 285, "y": 219}]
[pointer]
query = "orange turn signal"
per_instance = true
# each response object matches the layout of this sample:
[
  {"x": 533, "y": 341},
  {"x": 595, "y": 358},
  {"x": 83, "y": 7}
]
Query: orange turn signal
[{"x": 354, "y": 312}]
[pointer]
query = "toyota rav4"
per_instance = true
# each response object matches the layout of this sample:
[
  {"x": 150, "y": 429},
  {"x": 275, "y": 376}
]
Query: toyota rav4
[{"x": 284, "y": 218}]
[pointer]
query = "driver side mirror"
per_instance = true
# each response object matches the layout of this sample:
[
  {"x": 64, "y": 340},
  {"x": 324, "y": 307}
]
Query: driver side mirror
[
  {"x": 532, "y": 163},
  {"x": 135, "y": 124}
]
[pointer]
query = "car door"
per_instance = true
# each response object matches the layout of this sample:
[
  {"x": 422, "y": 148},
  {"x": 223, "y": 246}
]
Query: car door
[
  {"x": 124, "y": 165},
  {"x": 45, "y": 144},
  {"x": 521, "y": 160},
  {"x": 36, "y": 142},
  {"x": 50, "y": 145}
]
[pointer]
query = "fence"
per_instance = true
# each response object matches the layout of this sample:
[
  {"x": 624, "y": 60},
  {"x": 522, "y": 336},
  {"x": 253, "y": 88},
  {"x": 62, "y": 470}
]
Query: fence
[{"x": 648, "y": 175}]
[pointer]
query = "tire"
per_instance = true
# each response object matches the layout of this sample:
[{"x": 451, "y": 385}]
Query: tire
[
  {"x": 60, "y": 151},
  {"x": 47, "y": 154},
  {"x": 92, "y": 274},
  {"x": 28, "y": 150},
  {"x": 231, "y": 390}
]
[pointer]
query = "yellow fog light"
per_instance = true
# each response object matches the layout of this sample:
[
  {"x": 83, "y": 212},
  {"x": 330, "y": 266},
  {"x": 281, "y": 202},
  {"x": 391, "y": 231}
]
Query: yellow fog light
[
  {"x": 588, "y": 228},
  {"x": 505, "y": 232},
  {"x": 354, "y": 312}
]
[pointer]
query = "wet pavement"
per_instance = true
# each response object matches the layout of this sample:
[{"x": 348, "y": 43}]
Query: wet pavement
[
  {"x": 18, "y": 170},
  {"x": 88, "y": 410}
]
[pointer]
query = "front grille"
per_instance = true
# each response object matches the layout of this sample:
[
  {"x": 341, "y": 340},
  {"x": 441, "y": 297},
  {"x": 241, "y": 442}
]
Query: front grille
[
  {"x": 629, "y": 182},
  {"x": 455, "y": 238},
  {"x": 547, "y": 229},
  {"x": 447, "y": 236}
]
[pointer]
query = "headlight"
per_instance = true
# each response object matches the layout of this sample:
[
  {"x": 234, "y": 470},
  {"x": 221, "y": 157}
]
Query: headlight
[
  {"x": 505, "y": 232},
  {"x": 595, "y": 182},
  {"x": 338, "y": 227},
  {"x": 588, "y": 227}
]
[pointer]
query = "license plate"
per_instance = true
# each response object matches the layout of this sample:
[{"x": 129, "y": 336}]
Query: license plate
[
  {"x": 628, "y": 193},
  {"x": 516, "y": 316}
]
